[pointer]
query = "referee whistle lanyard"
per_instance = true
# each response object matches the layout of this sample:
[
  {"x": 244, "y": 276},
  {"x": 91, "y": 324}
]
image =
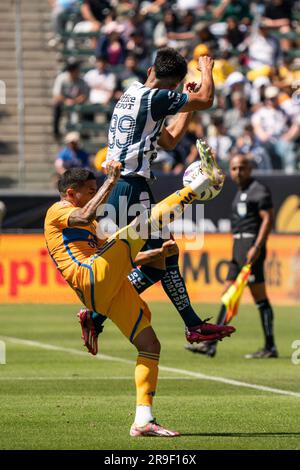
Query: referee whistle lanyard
[{"x": 231, "y": 298}]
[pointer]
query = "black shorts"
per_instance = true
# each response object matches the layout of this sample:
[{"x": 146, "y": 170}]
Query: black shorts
[
  {"x": 136, "y": 192},
  {"x": 239, "y": 255}
]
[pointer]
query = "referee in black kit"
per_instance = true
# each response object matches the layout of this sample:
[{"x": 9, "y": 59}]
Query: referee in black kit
[{"x": 252, "y": 220}]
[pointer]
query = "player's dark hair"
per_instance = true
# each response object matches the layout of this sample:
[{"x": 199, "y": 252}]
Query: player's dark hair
[
  {"x": 74, "y": 178},
  {"x": 169, "y": 64}
]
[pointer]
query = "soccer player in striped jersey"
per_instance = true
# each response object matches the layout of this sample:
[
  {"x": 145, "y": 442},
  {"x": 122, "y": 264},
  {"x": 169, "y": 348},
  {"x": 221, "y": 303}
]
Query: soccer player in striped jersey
[{"x": 137, "y": 128}]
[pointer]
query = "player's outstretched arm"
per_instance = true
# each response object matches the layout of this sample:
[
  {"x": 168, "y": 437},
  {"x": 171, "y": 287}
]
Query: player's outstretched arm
[
  {"x": 172, "y": 134},
  {"x": 87, "y": 214},
  {"x": 169, "y": 248},
  {"x": 203, "y": 98}
]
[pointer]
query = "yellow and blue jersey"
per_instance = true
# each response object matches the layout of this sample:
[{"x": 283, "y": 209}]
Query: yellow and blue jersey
[
  {"x": 97, "y": 271},
  {"x": 69, "y": 247}
]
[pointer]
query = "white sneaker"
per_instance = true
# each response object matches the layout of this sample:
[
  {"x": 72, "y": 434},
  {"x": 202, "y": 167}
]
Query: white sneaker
[{"x": 152, "y": 429}]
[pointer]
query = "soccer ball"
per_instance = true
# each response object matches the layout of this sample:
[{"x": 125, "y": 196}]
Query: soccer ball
[{"x": 191, "y": 173}]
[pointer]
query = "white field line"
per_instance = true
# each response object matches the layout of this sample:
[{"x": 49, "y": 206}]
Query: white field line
[
  {"x": 184, "y": 372},
  {"x": 89, "y": 379}
]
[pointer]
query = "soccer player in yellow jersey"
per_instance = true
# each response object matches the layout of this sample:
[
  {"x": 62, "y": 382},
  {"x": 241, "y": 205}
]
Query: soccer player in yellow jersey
[{"x": 98, "y": 272}]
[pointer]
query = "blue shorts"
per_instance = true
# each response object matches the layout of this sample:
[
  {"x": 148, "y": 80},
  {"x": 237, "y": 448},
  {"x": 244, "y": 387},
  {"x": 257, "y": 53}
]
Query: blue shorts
[{"x": 138, "y": 196}]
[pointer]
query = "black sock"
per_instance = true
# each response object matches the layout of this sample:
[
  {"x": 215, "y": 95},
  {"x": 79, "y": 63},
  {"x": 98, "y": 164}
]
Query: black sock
[
  {"x": 144, "y": 277},
  {"x": 266, "y": 315},
  {"x": 222, "y": 315},
  {"x": 98, "y": 320},
  {"x": 175, "y": 288}
]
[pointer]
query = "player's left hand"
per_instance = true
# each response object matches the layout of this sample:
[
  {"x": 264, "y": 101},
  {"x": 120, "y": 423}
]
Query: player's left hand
[
  {"x": 113, "y": 171},
  {"x": 253, "y": 254}
]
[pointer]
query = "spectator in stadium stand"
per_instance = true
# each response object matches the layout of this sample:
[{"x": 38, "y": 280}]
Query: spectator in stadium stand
[
  {"x": 123, "y": 8},
  {"x": 101, "y": 82},
  {"x": 236, "y": 82},
  {"x": 72, "y": 155},
  {"x": 238, "y": 117},
  {"x": 137, "y": 46},
  {"x": 203, "y": 35},
  {"x": 61, "y": 9},
  {"x": 220, "y": 142},
  {"x": 276, "y": 131},
  {"x": 169, "y": 24},
  {"x": 181, "y": 38},
  {"x": 152, "y": 6},
  {"x": 240, "y": 9},
  {"x": 278, "y": 16},
  {"x": 288, "y": 73},
  {"x": 290, "y": 105},
  {"x": 247, "y": 144},
  {"x": 263, "y": 48},
  {"x": 93, "y": 13},
  {"x": 111, "y": 45},
  {"x": 259, "y": 86},
  {"x": 134, "y": 21},
  {"x": 69, "y": 89},
  {"x": 198, "y": 6},
  {"x": 128, "y": 75},
  {"x": 234, "y": 35}
]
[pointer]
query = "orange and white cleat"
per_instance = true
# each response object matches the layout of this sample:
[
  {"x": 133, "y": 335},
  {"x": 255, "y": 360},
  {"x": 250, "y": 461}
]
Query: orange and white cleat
[{"x": 152, "y": 429}]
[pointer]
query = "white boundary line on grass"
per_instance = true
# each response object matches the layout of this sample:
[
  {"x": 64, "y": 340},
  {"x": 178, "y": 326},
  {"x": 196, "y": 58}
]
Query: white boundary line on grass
[
  {"x": 39, "y": 378},
  {"x": 196, "y": 375}
]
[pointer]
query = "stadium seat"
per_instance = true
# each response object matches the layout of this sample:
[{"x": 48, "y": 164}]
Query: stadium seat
[{"x": 81, "y": 126}]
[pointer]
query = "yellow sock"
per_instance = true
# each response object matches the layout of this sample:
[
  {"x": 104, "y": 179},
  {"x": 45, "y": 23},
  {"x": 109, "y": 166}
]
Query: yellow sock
[
  {"x": 146, "y": 373},
  {"x": 171, "y": 208},
  {"x": 162, "y": 214}
]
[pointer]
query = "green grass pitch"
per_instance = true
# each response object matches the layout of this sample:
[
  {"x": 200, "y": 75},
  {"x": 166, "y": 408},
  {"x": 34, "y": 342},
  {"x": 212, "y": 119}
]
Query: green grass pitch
[{"x": 57, "y": 399}]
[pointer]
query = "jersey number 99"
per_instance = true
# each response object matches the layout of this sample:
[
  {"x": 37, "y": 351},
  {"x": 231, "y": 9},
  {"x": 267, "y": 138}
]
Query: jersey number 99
[{"x": 121, "y": 131}]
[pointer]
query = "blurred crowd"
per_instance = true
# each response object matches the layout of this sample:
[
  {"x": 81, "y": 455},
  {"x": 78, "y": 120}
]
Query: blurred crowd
[{"x": 255, "y": 45}]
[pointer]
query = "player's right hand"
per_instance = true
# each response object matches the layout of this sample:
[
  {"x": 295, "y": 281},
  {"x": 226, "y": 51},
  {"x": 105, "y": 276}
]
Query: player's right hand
[
  {"x": 191, "y": 87},
  {"x": 113, "y": 170},
  {"x": 205, "y": 62},
  {"x": 169, "y": 248}
]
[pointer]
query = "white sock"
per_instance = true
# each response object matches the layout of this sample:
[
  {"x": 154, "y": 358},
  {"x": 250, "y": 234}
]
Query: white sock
[
  {"x": 200, "y": 184},
  {"x": 143, "y": 415}
]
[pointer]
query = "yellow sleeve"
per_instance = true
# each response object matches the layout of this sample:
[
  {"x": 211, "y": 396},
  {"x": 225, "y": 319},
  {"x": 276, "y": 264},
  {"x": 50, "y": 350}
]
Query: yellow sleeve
[{"x": 60, "y": 215}]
